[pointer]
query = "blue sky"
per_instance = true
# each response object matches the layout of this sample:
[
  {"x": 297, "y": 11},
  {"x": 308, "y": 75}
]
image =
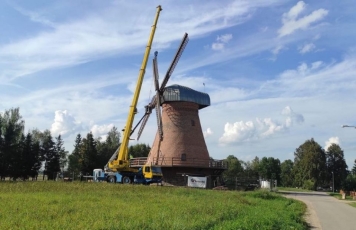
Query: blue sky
[{"x": 278, "y": 72}]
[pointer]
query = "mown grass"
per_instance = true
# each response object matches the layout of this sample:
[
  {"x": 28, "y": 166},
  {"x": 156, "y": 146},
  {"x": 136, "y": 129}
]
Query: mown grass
[
  {"x": 293, "y": 189},
  {"x": 58, "y": 205}
]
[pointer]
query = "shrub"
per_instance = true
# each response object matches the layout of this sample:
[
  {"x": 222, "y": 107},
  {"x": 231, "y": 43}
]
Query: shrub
[{"x": 309, "y": 184}]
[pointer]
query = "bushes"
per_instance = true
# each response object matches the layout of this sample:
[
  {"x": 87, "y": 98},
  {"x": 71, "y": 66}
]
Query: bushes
[
  {"x": 309, "y": 184},
  {"x": 349, "y": 183}
]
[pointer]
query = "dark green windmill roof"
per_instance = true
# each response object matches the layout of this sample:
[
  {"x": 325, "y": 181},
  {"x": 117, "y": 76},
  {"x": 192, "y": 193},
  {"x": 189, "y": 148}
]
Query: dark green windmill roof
[{"x": 182, "y": 93}]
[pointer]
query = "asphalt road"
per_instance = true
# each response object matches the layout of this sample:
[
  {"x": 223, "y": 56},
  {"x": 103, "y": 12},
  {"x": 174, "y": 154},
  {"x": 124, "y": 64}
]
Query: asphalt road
[{"x": 326, "y": 212}]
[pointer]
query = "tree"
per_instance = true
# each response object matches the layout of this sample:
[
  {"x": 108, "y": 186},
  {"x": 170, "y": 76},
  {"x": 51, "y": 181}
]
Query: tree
[
  {"x": 349, "y": 184},
  {"x": 36, "y": 159},
  {"x": 309, "y": 164},
  {"x": 251, "y": 168},
  {"x": 354, "y": 168},
  {"x": 270, "y": 168},
  {"x": 12, "y": 131},
  {"x": 234, "y": 170},
  {"x": 89, "y": 154},
  {"x": 336, "y": 165},
  {"x": 287, "y": 173},
  {"x": 139, "y": 150},
  {"x": 51, "y": 156},
  {"x": 60, "y": 150},
  {"x": 107, "y": 148},
  {"x": 2, "y": 157},
  {"x": 75, "y": 159}
]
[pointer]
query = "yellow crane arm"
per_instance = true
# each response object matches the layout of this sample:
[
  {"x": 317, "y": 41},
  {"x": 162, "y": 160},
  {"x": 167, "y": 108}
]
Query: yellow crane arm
[{"x": 122, "y": 161}]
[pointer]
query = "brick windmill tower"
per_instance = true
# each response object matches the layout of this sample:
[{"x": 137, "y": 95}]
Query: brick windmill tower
[{"x": 179, "y": 146}]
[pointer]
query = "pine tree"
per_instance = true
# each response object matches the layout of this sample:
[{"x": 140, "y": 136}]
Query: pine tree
[
  {"x": 51, "y": 156},
  {"x": 2, "y": 157},
  {"x": 336, "y": 165},
  {"x": 354, "y": 168},
  {"x": 75, "y": 159},
  {"x": 89, "y": 154},
  {"x": 13, "y": 127},
  {"x": 61, "y": 152},
  {"x": 107, "y": 148},
  {"x": 36, "y": 159}
]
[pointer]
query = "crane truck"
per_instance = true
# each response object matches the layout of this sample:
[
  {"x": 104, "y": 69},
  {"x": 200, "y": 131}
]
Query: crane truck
[{"x": 121, "y": 169}]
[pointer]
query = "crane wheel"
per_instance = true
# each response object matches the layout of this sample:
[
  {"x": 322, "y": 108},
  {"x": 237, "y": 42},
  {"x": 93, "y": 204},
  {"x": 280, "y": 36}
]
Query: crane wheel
[
  {"x": 111, "y": 179},
  {"x": 126, "y": 180}
]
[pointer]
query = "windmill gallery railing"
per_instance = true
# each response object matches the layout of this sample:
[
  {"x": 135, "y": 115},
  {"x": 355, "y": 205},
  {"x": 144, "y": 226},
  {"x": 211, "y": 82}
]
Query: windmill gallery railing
[{"x": 176, "y": 161}]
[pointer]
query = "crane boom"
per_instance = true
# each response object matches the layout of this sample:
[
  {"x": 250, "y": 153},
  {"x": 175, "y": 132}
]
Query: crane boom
[{"x": 122, "y": 162}]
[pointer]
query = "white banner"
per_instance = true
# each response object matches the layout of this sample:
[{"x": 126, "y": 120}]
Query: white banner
[{"x": 197, "y": 182}]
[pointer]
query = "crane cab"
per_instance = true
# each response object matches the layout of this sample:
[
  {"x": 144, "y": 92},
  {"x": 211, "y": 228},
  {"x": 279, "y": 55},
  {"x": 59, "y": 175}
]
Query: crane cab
[
  {"x": 153, "y": 173},
  {"x": 99, "y": 175}
]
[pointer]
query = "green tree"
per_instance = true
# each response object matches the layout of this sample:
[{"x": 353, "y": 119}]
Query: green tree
[
  {"x": 287, "y": 173},
  {"x": 2, "y": 155},
  {"x": 51, "y": 156},
  {"x": 251, "y": 168},
  {"x": 309, "y": 164},
  {"x": 336, "y": 165},
  {"x": 75, "y": 159},
  {"x": 36, "y": 159},
  {"x": 139, "y": 150},
  {"x": 107, "y": 148},
  {"x": 13, "y": 126},
  {"x": 234, "y": 170},
  {"x": 89, "y": 154},
  {"x": 349, "y": 184},
  {"x": 354, "y": 168},
  {"x": 270, "y": 168},
  {"x": 60, "y": 150}
]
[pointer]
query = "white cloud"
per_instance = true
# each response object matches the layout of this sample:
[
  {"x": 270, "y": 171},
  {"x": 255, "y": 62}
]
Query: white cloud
[
  {"x": 249, "y": 131},
  {"x": 259, "y": 129},
  {"x": 332, "y": 140},
  {"x": 292, "y": 117},
  {"x": 217, "y": 46},
  {"x": 221, "y": 41},
  {"x": 302, "y": 70},
  {"x": 208, "y": 132},
  {"x": 64, "y": 124},
  {"x": 94, "y": 35},
  {"x": 292, "y": 23},
  {"x": 277, "y": 49},
  {"x": 101, "y": 130},
  {"x": 224, "y": 38},
  {"x": 306, "y": 48}
]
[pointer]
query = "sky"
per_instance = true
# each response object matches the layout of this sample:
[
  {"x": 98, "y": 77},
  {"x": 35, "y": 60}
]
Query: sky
[{"x": 278, "y": 72}]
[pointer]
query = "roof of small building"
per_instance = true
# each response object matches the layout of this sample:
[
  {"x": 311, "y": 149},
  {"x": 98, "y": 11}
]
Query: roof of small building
[{"x": 183, "y": 93}]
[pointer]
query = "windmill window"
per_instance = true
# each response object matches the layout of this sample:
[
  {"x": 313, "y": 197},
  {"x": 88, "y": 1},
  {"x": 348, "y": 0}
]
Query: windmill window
[
  {"x": 192, "y": 122},
  {"x": 183, "y": 157}
]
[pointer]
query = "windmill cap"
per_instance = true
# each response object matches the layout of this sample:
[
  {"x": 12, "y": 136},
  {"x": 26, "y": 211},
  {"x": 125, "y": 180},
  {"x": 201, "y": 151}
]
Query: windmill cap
[{"x": 183, "y": 93}]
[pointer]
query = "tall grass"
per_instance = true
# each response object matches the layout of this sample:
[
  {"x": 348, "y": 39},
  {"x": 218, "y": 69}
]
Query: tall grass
[{"x": 57, "y": 205}]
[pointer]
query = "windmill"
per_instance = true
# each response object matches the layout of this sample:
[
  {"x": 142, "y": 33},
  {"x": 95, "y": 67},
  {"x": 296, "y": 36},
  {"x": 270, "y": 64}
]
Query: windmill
[
  {"x": 158, "y": 98},
  {"x": 179, "y": 146}
]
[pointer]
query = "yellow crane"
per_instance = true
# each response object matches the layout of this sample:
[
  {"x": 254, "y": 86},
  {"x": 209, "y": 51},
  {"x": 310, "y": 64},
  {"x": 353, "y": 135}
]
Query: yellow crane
[{"x": 119, "y": 164}]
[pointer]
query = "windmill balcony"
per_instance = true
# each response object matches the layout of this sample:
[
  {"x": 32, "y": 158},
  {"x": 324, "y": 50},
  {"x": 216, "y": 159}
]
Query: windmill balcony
[{"x": 176, "y": 162}]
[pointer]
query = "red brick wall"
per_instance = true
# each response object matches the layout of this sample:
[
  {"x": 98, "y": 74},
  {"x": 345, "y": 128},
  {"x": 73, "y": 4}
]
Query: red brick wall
[{"x": 182, "y": 134}]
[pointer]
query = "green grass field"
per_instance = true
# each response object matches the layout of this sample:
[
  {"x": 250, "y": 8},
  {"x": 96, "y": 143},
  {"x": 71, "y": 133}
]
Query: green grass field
[{"x": 59, "y": 205}]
